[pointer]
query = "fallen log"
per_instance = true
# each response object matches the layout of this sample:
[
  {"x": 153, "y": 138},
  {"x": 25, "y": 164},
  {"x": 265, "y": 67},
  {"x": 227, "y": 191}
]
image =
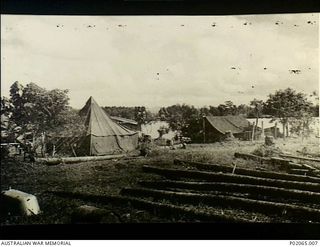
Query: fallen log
[
  {"x": 309, "y": 167},
  {"x": 283, "y": 163},
  {"x": 68, "y": 160},
  {"x": 231, "y": 178},
  {"x": 248, "y": 172},
  {"x": 299, "y": 157},
  {"x": 251, "y": 157},
  {"x": 305, "y": 172},
  {"x": 253, "y": 190},
  {"x": 265, "y": 207},
  {"x": 161, "y": 209}
]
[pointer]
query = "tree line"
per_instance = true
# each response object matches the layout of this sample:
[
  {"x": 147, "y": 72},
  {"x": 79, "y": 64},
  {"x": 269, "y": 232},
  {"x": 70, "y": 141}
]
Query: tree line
[
  {"x": 287, "y": 106},
  {"x": 37, "y": 110}
]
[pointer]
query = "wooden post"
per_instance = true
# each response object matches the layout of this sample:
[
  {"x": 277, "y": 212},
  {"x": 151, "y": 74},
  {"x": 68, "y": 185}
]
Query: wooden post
[
  {"x": 204, "y": 128},
  {"x": 74, "y": 153},
  {"x": 253, "y": 128},
  {"x": 275, "y": 130},
  {"x": 262, "y": 130},
  {"x": 234, "y": 168}
]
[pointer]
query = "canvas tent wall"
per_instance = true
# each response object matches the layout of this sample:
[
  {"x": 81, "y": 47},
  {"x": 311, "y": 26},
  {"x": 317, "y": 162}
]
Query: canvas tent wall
[
  {"x": 127, "y": 123},
  {"x": 102, "y": 136},
  {"x": 216, "y": 127}
]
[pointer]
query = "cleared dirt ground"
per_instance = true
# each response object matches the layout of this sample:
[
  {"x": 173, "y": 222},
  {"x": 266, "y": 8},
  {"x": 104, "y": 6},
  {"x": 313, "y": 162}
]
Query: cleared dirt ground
[{"x": 107, "y": 178}]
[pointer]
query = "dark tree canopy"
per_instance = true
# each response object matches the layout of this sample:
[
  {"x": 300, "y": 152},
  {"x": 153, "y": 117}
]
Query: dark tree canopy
[
  {"x": 184, "y": 119},
  {"x": 290, "y": 106},
  {"x": 287, "y": 103},
  {"x": 137, "y": 113},
  {"x": 38, "y": 109}
]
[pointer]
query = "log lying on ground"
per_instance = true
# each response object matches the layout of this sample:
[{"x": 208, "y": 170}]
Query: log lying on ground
[
  {"x": 161, "y": 209},
  {"x": 265, "y": 207},
  {"x": 231, "y": 178},
  {"x": 305, "y": 172},
  {"x": 253, "y": 190},
  {"x": 299, "y": 157},
  {"x": 251, "y": 157},
  {"x": 248, "y": 172},
  {"x": 67, "y": 160},
  {"x": 283, "y": 163}
]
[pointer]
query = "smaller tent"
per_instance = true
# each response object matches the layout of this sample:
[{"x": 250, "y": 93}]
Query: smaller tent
[{"x": 217, "y": 128}]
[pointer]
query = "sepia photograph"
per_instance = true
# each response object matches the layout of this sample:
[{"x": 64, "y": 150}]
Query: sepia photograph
[{"x": 160, "y": 119}]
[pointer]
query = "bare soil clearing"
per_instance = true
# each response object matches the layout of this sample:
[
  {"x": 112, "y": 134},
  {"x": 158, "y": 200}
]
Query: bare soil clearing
[{"x": 108, "y": 178}]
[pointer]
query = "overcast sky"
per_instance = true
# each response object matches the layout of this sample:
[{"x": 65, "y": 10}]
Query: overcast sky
[{"x": 162, "y": 60}]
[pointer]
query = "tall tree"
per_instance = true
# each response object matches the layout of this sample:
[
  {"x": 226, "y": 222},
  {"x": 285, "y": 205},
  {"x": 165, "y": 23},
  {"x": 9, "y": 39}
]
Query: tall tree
[
  {"x": 185, "y": 119},
  {"x": 228, "y": 108},
  {"x": 257, "y": 108},
  {"x": 6, "y": 106},
  {"x": 16, "y": 91},
  {"x": 38, "y": 109},
  {"x": 140, "y": 114},
  {"x": 286, "y": 104}
]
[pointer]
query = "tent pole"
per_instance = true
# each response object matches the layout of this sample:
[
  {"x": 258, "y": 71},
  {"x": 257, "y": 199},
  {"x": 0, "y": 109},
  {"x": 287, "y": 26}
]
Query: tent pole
[
  {"x": 90, "y": 140},
  {"x": 204, "y": 128}
]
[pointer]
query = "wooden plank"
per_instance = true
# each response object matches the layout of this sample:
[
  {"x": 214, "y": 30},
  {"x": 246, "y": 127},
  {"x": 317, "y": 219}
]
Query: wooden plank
[
  {"x": 231, "y": 178},
  {"x": 161, "y": 209},
  {"x": 252, "y": 190},
  {"x": 247, "y": 172},
  {"x": 299, "y": 157},
  {"x": 251, "y": 157},
  {"x": 265, "y": 207},
  {"x": 67, "y": 160},
  {"x": 285, "y": 163}
]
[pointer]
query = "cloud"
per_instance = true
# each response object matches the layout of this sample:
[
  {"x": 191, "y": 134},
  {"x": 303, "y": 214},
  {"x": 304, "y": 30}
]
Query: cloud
[{"x": 161, "y": 60}]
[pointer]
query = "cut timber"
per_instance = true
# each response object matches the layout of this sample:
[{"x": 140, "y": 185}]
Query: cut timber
[
  {"x": 231, "y": 178},
  {"x": 253, "y": 190},
  {"x": 304, "y": 166},
  {"x": 279, "y": 161},
  {"x": 301, "y": 172},
  {"x": 161, "y": 209},
  {"x": 251, "y": 157},
  {"x": 67, "y": 160},
  {"x": 248, "y": 172},
  {"x": 284, "y": 163},
  {"x": 273, "y": 160},
  {"x": 268, "y": 208},
  {"x": 299, "y": 157}
]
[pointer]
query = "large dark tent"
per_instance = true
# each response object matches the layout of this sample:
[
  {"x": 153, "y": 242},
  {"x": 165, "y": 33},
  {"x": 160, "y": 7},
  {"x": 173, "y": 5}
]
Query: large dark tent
[
  {"x": 101, "y": 135},
  {"x": 217, "y": 127}
]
